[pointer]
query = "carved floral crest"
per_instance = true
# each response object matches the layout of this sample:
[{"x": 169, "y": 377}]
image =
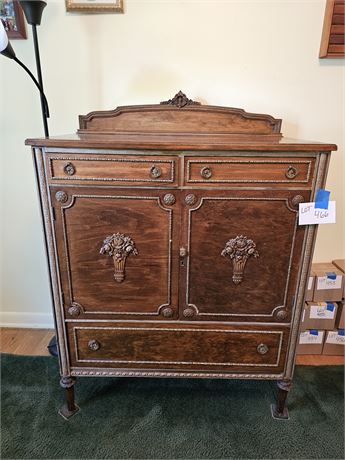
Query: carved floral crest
[
  {"x": 239, "y": 250},
  {"x": 119, "y": 247},
  {"x": 180, "y": 100}
]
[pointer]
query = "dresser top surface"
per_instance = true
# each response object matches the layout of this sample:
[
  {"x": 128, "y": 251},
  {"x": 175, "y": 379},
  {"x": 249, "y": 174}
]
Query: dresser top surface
[{"x": 176, "y": 142}]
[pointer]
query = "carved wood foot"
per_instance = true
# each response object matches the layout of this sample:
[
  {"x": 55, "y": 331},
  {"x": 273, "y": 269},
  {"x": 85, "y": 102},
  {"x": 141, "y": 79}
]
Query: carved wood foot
[
  {"x": 279, "y": 410},
  {"x": 69, "y": 408}
]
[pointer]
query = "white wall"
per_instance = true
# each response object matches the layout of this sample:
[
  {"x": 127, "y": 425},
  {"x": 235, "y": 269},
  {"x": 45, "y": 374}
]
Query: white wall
[{"x": 258, "y": 55}]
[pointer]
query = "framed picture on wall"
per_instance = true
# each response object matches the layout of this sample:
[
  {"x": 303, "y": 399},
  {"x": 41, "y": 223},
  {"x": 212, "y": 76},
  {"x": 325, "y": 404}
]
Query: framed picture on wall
[
  {"x": 12, "y": 17},
  {"x": 95, "y": 6}
]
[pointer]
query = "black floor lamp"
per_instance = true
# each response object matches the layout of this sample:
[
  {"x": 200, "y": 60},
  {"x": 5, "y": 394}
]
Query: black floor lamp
[{"x": 33, "y": 10}]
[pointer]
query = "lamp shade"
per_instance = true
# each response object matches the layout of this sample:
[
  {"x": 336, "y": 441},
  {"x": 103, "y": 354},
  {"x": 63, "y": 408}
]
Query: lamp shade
[
  {"x": 3, "y": 37},
  {"x": 33, "y": 10},
  {"x": 5, "y": 46}
]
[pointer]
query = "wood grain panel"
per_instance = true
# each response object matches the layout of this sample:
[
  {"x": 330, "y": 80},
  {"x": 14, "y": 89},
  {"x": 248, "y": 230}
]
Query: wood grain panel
[
  {"x": 16, "y": 341},
  {"x": 83, "y": 223},
  {"x": 177, "y": 346},
  {"x": 172, "y": 117},
  {"x": 269, "y": 281},
  {"x": 112, "y": 170},
  {"x": 254, "y": 170}
]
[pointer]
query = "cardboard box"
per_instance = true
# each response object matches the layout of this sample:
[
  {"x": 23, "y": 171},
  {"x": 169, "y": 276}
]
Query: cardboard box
[
  {"x": 340, "y": 321},
  {"x": 340, "y": 264},
  {"x": 329, "y": 283},
  {"x": 319, "y": 315},
  {"x": 310, "y": 342},
  {"x": 309, "y": 292},
  {"x": 334, "y": 342}
]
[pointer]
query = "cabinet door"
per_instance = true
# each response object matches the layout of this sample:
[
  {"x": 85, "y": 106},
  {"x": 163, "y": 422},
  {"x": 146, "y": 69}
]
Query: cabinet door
[
  {"x": 243, "y": 250},
  {"x": 116, "y": 252}
]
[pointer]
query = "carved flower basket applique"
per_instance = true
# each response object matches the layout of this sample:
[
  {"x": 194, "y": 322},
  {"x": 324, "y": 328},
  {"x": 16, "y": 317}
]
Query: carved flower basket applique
[
  {"x": 119, "y": 247},
  {"x": 239, "y": 250}
]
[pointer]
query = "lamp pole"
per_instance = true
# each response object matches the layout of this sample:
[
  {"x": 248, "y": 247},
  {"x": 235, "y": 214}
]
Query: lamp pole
[
  {"x": 33, "y": 10},
  {"x": 40, "y": 80}
]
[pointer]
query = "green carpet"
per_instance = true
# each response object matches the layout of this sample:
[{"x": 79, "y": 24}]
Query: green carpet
[{"x": 168, "y": 418}]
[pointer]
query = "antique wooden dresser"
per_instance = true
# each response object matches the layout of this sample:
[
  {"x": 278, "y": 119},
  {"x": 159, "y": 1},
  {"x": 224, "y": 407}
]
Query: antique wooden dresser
[{"x": 173, "y": 243}]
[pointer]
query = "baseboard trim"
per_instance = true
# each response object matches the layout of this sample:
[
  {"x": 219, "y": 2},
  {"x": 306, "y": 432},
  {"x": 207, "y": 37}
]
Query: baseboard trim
[{"x": 26, "y": 320}]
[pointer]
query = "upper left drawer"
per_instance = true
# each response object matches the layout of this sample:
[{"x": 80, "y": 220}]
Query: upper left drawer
[{"x": 111, "y": 169}]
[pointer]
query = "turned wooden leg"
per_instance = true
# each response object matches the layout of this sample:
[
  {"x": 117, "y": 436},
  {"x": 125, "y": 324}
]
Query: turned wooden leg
[
  {"x": 279, "y": 411},
  {"x": 69, "y": 408}
]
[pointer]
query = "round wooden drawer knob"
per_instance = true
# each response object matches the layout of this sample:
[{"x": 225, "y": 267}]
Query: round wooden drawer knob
[
  {"x": 69, "y": 169},
  {"x": 155, "y": 172},
  {"x": 94, "y": 345},
  {"x": 262, "y": 349},
  {"x": 291, "y": 172},
  {"x": 206, "y": 173}
]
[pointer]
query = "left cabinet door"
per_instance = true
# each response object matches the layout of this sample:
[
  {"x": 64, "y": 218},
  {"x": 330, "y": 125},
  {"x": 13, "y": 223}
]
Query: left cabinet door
[{"x": 117, "y": 252}]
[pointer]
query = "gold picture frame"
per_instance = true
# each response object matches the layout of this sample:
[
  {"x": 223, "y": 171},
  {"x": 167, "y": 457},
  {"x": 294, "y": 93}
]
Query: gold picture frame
[{"x": 95, "y": 6}]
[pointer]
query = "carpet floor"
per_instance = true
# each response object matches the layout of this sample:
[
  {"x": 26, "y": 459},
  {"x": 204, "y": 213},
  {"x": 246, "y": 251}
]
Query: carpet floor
[{"x": 168, "y": 418}]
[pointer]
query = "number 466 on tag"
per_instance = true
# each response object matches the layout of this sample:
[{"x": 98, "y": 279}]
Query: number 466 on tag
[{"x": 309, "y": 215}]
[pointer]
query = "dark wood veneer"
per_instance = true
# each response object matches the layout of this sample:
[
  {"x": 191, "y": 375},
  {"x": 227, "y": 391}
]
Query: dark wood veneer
[{"x": 177, "y": 347}]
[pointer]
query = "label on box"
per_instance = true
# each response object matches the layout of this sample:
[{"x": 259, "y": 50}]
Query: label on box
[
  {"x": 309, "y": 215},
  {"x": 335, "y": 338},
  {"x": 322, "y": 311},
  {"x": 307, "y": 338},
  {"x": 310, "y": 282},
  {"x": 325, "y": 282}
]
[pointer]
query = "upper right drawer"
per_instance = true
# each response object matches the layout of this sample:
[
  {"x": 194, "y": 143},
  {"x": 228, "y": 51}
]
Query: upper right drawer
[{"x": 272, "y": 171}]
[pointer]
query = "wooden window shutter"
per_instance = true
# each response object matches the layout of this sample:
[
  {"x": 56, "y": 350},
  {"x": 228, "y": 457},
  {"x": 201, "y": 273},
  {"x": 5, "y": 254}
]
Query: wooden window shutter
[{"x": 333, "y": 33}]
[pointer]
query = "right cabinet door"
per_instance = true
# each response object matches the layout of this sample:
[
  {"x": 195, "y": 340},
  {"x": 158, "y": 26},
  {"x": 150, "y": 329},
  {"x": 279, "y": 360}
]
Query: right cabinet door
[{"x": 243, "y": 253}]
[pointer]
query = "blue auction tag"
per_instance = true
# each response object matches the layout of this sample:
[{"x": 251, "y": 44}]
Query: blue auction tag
[
  {"x": 330, "y": 306},
  {"x": 322, "y": 199},
  {"x": 314, "y": 332},
  {"x": 341, "y": 332},
  {"x": 331, "y": 275}
]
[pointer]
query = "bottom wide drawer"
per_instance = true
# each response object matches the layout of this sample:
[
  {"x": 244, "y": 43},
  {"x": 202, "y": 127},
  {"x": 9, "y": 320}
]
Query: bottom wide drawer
[{"x": 178, "y": 347}]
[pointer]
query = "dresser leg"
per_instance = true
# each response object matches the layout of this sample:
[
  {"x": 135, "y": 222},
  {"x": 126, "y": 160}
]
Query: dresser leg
[
  {"x": 69, "y": 408},
  {"x": 278, "y": 410}
]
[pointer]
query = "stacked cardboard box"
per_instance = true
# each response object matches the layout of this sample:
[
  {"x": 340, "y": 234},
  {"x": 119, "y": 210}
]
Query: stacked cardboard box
[
  {"x": 334, "y": 343},
  {"x": 323, "y": 318},
  {"x": 329, "y": 283}
]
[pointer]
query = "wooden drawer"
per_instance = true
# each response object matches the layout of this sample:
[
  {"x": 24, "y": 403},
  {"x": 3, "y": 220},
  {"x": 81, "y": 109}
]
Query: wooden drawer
[
  {"x": 111, "y": 169},
  {"x": 178, "y": 347},
  {"x": 249, "y": 170}
]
